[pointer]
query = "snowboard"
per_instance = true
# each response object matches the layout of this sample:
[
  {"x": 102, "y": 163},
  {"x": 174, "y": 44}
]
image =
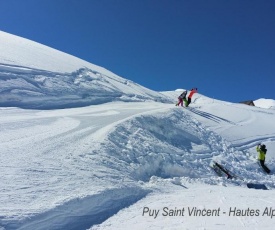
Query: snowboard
[{"x": 257, "y": 186}]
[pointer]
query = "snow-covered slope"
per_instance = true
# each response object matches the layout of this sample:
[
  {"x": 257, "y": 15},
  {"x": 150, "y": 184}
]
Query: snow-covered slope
[
  {"x": 104, "y": 166},
  {"x": 74, "y": 168},
  {"x": 36, "y": 76}
]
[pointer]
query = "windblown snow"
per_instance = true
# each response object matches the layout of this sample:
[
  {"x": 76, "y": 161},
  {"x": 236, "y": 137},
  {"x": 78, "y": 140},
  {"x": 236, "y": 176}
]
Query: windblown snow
[
  {"x": 130, "y": 158},
  {"x": 36, "y": 76}
]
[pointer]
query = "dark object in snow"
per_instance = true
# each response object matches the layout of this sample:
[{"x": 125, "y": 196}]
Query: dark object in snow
[
  {"x": 257, "y": 186},
  {"x": 220, "y": 170},
  {"x": 251, "y": 103}
]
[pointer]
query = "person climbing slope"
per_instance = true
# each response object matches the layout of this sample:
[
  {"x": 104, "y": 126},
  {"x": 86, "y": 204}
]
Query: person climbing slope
[
  {"x": 182, "y": 98},
  {"x": 194, "y": 90},
  {"x": 261, "y": 149}
]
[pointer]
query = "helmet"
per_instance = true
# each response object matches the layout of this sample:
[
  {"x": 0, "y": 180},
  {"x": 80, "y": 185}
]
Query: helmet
[{"x": 263, "y": 146}]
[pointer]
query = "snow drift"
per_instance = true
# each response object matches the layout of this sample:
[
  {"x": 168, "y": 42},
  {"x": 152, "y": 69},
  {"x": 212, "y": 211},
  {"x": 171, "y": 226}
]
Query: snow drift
[{"x": 36, "y": 76}]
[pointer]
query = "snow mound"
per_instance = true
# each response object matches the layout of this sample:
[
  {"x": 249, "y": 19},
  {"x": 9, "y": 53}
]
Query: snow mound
[
  {"x": 175, "y": 144},
  {"x": 265, "y": 103}
]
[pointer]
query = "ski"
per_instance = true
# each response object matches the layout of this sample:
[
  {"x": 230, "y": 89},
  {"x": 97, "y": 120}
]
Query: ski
[
  {"x": 223, "y": 172},
  {"x": 220, "y": 170}
]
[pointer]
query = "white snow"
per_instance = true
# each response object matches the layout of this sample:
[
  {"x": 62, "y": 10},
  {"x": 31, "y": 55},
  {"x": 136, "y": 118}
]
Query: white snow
[
  {"x": 265, "y": 103},
  {"x": 135, "y": 161},
  {"x": 36, "y": 76}
]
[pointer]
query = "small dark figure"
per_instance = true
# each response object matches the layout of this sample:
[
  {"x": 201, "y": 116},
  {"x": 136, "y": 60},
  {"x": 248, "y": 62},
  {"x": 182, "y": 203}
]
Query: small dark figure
[
  {"x": 182, "y": 98},
  {"x": 261, "y": 157}
]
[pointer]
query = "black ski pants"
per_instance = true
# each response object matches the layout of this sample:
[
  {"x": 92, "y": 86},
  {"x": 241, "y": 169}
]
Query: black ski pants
[
  {"x": 188, "y": 101},
  {"x": 264, "y": 166}
]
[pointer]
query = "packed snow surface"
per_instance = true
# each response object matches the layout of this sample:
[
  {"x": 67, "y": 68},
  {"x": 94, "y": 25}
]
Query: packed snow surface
[{"x": 135, "y": 161}]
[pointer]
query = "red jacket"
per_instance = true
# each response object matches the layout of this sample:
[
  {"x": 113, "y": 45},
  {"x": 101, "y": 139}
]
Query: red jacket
[{"x": 192, "y": 92}]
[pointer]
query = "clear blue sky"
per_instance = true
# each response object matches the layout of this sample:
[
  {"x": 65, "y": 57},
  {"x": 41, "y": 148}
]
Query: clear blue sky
[{"x": 226, "y": 48}]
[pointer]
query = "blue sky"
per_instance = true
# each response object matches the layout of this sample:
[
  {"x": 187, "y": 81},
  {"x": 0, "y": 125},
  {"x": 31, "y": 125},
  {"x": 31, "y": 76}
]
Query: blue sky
[{"x": 226, "y": 48}]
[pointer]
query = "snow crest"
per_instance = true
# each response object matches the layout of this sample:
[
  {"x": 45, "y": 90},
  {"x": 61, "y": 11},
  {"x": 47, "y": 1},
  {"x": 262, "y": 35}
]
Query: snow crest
[{"x": 40, "y": 89}]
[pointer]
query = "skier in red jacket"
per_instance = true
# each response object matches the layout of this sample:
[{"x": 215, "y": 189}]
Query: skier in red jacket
[{"x": 194, "y": 90}]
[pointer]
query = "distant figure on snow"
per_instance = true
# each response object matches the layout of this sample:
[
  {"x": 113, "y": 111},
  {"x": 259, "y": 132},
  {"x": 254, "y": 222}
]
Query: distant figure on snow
[
  {"x": 261, "y": 157},
  {"x": 194, "y": 90},
  {"x": 182, "y": 98}
]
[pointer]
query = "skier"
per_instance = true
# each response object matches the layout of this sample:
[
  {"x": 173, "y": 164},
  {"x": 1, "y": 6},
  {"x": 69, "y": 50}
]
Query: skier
[
  {"x": 182, "y": 98},
  {"x": 194, "y": 90},
  {"x": 261, "y": 157}
]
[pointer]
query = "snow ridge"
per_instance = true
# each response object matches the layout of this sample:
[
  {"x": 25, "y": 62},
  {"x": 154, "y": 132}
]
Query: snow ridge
[
  {"x": 31, "y": 88},
  {"x": 175, "y": 144}
]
